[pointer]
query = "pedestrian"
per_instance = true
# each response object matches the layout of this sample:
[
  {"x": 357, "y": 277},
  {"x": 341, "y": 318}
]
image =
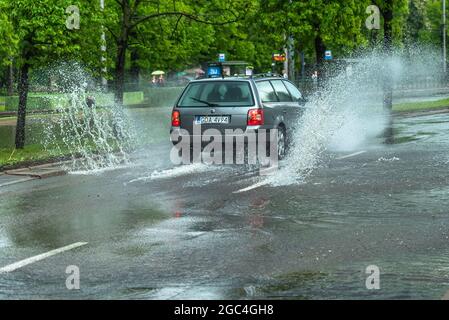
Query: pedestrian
[
  {"x": 315, "y": 80},
  {"x": 161, "y": 80},
  {"x": 90, "y": 101}
]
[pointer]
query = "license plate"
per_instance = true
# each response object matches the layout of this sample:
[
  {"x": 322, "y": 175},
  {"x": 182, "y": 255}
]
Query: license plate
[{"x": 212, "y": 119}]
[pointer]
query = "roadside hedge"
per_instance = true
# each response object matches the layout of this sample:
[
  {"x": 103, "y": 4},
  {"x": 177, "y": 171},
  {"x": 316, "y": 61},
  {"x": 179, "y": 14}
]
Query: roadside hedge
[
  {"x": 133, "y": 98},
  {"x": 162, "y": 97},
  {"x": 34, "y": 103},
  {"x": 53, "y": 101},
  {"x": 150, "y": 97}
]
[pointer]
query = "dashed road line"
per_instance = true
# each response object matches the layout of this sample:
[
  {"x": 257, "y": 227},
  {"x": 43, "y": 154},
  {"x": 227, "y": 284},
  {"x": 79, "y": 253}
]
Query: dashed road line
[
  {"x": 351, "y": 155},
  {"x": 254, "y": 186},
  {"x": 23, "y": 263},
  {"x": 9, "y": 183}
]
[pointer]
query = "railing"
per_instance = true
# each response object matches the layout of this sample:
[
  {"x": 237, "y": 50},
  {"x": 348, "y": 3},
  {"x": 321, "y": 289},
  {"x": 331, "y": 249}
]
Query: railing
[{"x": 309, "y": 86}]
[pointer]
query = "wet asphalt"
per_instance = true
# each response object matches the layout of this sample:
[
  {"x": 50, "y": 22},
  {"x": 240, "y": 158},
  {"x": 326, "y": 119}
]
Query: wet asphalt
[{"x": 158, "y": 232}]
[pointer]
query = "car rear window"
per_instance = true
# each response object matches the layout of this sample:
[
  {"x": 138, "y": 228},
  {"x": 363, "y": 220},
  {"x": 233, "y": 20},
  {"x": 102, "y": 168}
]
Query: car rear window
[{"x": 220, "y": 93}]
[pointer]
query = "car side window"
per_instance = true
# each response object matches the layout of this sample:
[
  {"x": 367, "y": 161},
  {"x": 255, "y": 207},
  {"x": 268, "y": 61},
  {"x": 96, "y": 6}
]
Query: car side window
[
  {"x": 295, "y": 93},
  {"x": 281, "y": 90},
  {"x": 266, "y": 91}
]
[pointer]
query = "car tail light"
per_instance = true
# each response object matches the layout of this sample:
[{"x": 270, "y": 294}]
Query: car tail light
[
  {"x": 175, "y": 118},
  {"x": 255, "y": 117}
]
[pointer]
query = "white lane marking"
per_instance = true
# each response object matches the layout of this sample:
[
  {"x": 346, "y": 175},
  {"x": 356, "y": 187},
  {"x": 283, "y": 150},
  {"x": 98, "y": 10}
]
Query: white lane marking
[
  {"x": 23, "y": 263},
  {"x": 254, "y": 186},
  {"x": 16, "y": 181},
  {"x": 351, "y": 155}
]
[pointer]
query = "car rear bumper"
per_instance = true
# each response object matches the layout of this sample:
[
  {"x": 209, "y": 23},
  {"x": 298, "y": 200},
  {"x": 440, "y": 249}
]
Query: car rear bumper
[{"x": 179, "y": 132}]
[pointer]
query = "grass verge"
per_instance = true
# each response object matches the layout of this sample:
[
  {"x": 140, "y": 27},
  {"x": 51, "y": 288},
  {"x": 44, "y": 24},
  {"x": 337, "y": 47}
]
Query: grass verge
[
  {"x": 36, "y": 154},
  {"x": 2, "y": 104},
  {"x": 30, "y": 155},
  {"x": 421, "y": 106}
]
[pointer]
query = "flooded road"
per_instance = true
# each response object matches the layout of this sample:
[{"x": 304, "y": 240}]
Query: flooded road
[{"x": 155, "y": 231}]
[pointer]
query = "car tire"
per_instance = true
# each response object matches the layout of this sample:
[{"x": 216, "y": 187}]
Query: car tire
[{"x": 281, "y": 143}]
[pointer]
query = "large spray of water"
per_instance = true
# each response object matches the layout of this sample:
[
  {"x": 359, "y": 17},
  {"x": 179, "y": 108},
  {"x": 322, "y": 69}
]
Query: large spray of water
[
  {"x": 88, "y": 126},
  {"x": 347, "y": 113}
]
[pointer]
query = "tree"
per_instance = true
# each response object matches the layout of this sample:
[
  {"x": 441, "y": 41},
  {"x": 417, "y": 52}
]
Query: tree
[
  {"x": 393, "y": 13},
  {"x": 416, "y": 21},
  {"x": 318, "y": 25},
  {"x": 8, "y": 46},
  {"x": 387, "y": 12},
  {"x": 127, "y": 15},
  {"x": 40, "y": 36}
]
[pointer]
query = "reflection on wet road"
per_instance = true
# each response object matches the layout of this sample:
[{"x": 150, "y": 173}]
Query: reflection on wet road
[{"x": 158, "y": 232}]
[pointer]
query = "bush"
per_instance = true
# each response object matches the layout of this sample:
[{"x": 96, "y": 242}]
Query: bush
[
  {"x": 162, "y": 97},
  {"x": 2, "y": 104},
  {"x": 131, "y": 98},
  {"x": 34, "y": 103},
  {"x": 154, "y": 97},
  {"x": 53, "y": 101}
]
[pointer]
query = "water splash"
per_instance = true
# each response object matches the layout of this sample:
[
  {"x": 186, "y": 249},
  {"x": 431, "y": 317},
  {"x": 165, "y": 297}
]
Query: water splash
[
  {"x": 347, "y": 114},
  {"x": 94, "y": 135},
  {"x": 175, "y": 172}
]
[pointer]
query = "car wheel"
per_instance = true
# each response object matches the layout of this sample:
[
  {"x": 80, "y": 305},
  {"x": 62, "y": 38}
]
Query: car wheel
[{"x": 281, "y": 143}]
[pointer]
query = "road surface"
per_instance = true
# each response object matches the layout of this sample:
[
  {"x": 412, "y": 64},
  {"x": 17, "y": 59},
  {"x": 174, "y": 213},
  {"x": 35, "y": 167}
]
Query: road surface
[{"x": 151, "y": 231}]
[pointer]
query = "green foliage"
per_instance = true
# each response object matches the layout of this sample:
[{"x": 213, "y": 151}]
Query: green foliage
[
  {"x": 421, "y": 106},
  {"x": 339, "y": 24},
  {"x": 161, "y": 97},
  {"x": 29, "y": 154},
  {"x": 8, "y": 38},
  {"x": 34, "y": 103},
  {"x": 34, "y": 31},
  {"x": 37, "y": 101},
  {"x": 133, "y": 98}
]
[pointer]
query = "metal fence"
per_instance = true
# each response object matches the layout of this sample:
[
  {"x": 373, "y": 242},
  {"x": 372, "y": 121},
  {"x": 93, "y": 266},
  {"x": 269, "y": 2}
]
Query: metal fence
[{"x": 411, "y": 83}]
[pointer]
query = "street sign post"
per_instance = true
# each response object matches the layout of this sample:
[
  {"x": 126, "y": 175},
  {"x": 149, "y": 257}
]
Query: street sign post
[
  {"x": 214, "y": 70},
  {"x": 279, "y": 57},
  {"x": 221, "y": 57}
]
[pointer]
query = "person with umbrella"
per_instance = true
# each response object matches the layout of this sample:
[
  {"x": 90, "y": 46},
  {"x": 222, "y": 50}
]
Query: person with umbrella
[{"x": 158, "y": 78}]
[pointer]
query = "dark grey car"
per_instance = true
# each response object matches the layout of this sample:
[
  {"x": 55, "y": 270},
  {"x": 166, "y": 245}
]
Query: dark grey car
[{"x": 240, "y": 103}]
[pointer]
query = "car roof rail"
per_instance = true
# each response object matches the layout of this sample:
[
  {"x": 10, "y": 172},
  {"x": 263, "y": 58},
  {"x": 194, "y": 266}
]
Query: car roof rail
[{"x": 266, "y": 75}]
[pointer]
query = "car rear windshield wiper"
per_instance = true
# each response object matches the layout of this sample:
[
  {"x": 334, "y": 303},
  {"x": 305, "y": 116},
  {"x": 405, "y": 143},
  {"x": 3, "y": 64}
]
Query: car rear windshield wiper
[{"x": 212, "y": 105}]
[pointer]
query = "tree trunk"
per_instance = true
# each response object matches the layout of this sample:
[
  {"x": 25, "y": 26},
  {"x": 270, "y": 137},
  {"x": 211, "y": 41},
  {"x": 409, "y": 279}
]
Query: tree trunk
[
  {"x": 320, "y": 50},
  {"x": 388, "y": 81},
  {"x": 120, "y": 73},
  {"x": 21, "y": 113},
  {"x": 122, "y": 46},
  {"x": 135, "y": 70}
]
